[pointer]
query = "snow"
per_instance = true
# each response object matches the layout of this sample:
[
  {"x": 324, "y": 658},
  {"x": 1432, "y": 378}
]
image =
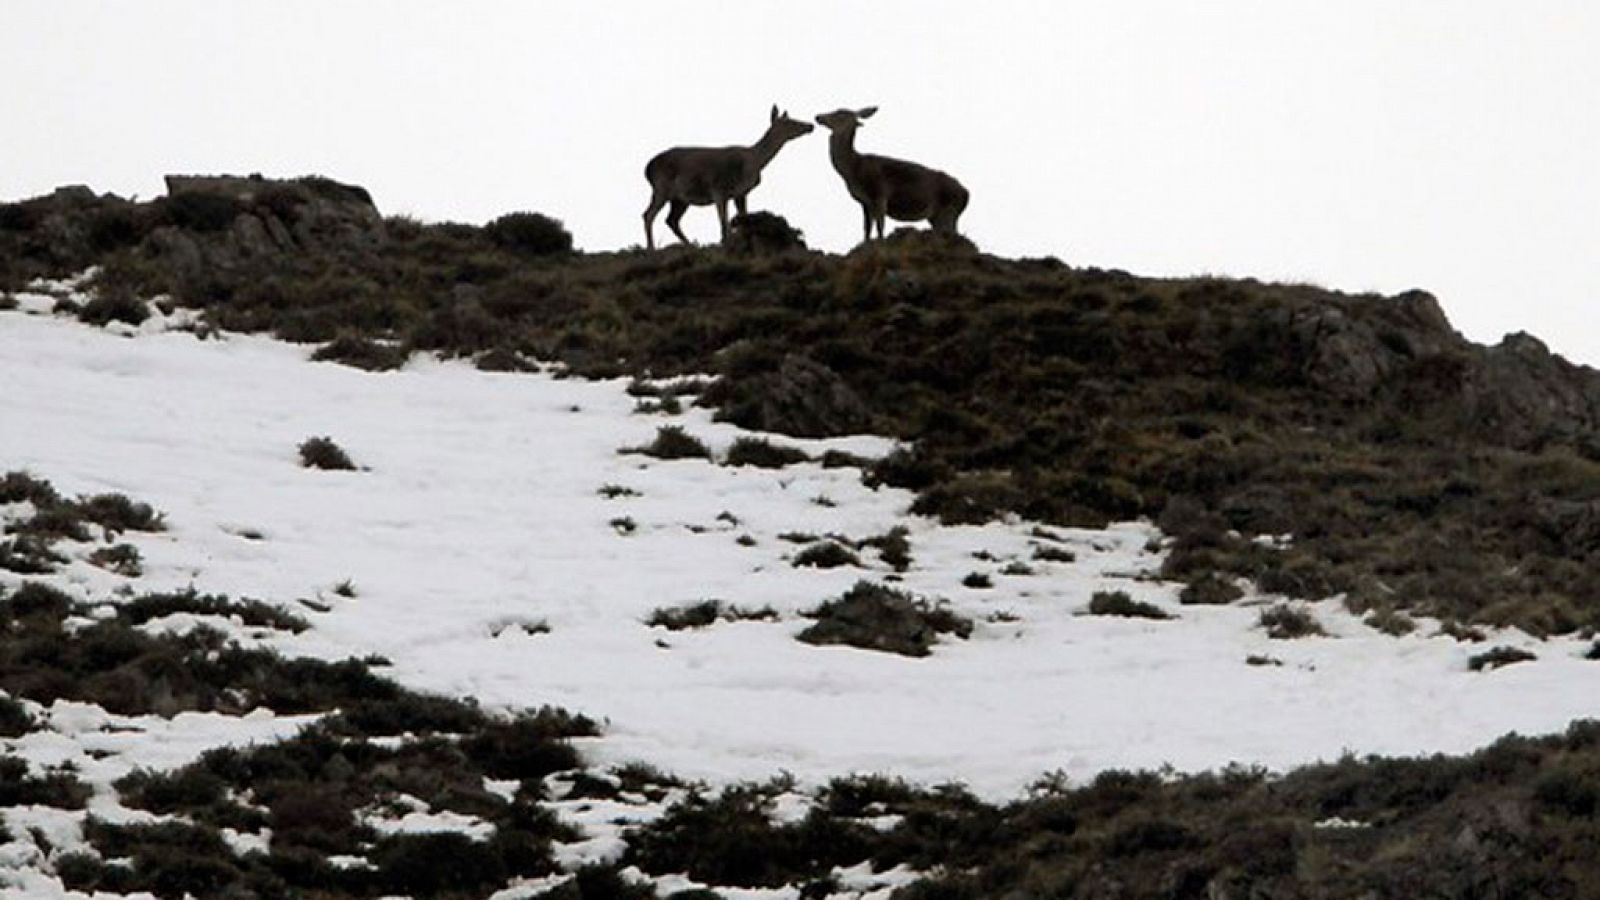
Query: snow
[{"x": 477, "y": 523}]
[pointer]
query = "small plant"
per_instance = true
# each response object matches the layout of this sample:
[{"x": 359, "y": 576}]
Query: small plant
[
  {"x": 1285, "y": 622},
  {"x": 1496, "y": 657},
  {"x": 827, "y": 554},
  {"x": 14, "y": 718},
  {"x": 824, "y": 501},
  {"x": 1209, "y": 589},
  {"x": 323, "y": 453},
  {"x": 114, "y": 304},
  {"x": 977, "y": 581},
  {"x": 667, "y": 406},
  {"x": 1048, "y": 553},
  {"x": 624, "y": 525},
  {"x": 530, "y": 234},
  {"x": 616, "y": 491},
  {"x": 1016, "y": 568},
  {"x": 1593, "y": 651},
  {"x": 874, "y": 617},
  {"x": 798, "y": 537},
  {"x": 1256, "y": 659},
  {"x": 1391, "y": 622},
  {"x": 745, "y": 540},
  {"x": 705, "y": 613},
  {"x": 1118, "y": 603},
  {"x": 1467, "y": 634},
  {"x": 763, "y": 454},
  {"x": 361, "y": 353},
  {"x": 672, "y": 442},
  {"x": 893, "y": 546},
  {"x": 123, "y": 559},
  {"x": 346, "y": 589}
]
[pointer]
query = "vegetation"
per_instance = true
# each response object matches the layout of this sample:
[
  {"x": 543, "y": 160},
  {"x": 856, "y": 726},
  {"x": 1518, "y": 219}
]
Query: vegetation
[
  {"x": 706, "y": 613},
  {"x": 1118, "y": 603},
  {"x": 323, "y": 453},
  {"x": 874, "y": 617}
]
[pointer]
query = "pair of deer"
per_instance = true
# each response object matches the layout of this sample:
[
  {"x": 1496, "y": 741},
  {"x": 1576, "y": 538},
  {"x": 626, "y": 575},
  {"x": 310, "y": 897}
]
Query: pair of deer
[{"x": 704, "y": 176}]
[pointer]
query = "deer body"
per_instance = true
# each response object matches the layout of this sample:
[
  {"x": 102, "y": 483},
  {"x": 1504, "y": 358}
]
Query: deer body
[
  {"x": 887, "y": 187},
  {"x": 707, "y": 176}
]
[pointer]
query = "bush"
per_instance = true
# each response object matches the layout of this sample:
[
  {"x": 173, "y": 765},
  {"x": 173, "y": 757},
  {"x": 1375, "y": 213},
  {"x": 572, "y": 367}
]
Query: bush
[
  {"x": 253, "y": 613},
  {"x": 1209, "y": 589},
  {"x": 763, "y": 454},
  {"x": 893, "y": 546},
  {"x": 672, "y": 442},
  {"x": 113, "y": 304},
  {"x": 14, "y": 718},
  {"x": 1285, "y": 622},
  {"x": 530, "y": 234},
  {"x": 323, "y": 453},
  {"x": 1118, "y": 603},
  {"x": 1497, "y": 657},
  {"x": 977, "y": 581},
  {"x": 705, "y": 613},
  {"x": 202, "y": 211},
  {"x": 530, "y": 745},
  {"x": 123, "y": 559},
  {"x": 874, "y": 617},
  {"x": 827, "y": 554},
  {"x": 362, "y": 353},
  {"x": 115, "y": 512},
  {"x": 763, "y": 232}
]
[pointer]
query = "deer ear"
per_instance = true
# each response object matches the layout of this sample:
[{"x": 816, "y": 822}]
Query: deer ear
[
  {"x": 774, "y": 112},
  {"x": 866, "y": 113}
]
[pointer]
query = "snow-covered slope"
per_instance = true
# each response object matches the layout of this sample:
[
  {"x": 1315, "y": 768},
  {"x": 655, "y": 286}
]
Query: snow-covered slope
[{"x": 486, "y": 562}]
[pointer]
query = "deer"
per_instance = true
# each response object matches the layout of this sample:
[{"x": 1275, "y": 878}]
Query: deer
[
  {"x": 704, "y": 176},
  {"x": 884, "y": 186}
]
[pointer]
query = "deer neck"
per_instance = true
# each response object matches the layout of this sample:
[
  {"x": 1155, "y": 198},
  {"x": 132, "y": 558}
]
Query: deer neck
[
  {"x": 842, "y": 150},
  {"x": 765, "y": 149}
]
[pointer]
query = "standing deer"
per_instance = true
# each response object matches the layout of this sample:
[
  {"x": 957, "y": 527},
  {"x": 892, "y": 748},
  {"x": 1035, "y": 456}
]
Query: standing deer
[
  {"x": 903, "y": 191},
  {"x": 701, "y": 176}
]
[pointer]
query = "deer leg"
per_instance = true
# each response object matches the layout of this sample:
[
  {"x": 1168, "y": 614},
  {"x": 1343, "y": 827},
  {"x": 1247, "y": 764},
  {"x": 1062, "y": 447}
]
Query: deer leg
[
  {"x": 741, "y": 202},
  {"x": 674, "y": 215},
  {"x": 866, "y": 223},
  {"x": 722, "y": 217},
  {"x": 656, "y": 202}
]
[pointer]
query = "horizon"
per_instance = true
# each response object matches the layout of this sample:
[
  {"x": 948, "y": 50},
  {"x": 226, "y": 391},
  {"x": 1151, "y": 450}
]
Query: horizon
[{"x": 1373, "y": 147}]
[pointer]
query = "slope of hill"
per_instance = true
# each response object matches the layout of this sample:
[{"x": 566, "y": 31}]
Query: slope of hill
[{"x": 492, "y": 543}]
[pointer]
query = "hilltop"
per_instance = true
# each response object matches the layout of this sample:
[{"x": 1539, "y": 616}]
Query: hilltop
[{"x": 1318, "y": 443}]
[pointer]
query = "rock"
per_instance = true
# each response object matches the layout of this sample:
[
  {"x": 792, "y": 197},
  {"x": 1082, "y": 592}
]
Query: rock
[{"x": 802, "y": 397}]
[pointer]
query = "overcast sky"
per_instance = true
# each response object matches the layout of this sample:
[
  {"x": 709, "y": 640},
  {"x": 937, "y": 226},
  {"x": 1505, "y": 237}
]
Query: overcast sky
[{"x": 1359, "y": 144}]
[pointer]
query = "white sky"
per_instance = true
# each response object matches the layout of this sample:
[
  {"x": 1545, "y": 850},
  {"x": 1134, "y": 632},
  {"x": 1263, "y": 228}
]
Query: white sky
[{"x": 1450, "y": 145}]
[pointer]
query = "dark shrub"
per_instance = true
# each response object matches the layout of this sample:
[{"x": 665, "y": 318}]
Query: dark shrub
[
  {"x": 764, "y": 232},
  {"x": 115, "y": 512},
  {"x": 323, "y": 453},
  {"x": 893, "y": 546},
  {"x": 362, "y": 353},
  {"x": 762, "y": 453},
  {"x": 703, "y": 614},
  {"x": 1118, "y": 603},
  {"x": 59, "y": 789},
  {"x": 113, "y": 303},
  {"x": 28, "y": 554},
  {"x": 827, "y": 554},
  {"x": 253, "y": 613},
  {"x": 1051, "y": 553},
  {"x": 977, "y": 581},
  {"x": 672, "y": 442},
  {"x": 202, "y": 211},
  {"x": 1496, "y": 657},
  {"x": 35, "y": 600},
  {"x": 16, "y": 487},
  {"x": 14, "y": 718},
  {"x": 1209, "y": 589},
  {"x": 529, "y": 746},
  {"x": 123, "y": 559},
  {"x": 530, "y": 233},
  {"x": 874, "y": 617},
  {"x": 1285, "y": 622},
  {"x": 189, "y": 788}
]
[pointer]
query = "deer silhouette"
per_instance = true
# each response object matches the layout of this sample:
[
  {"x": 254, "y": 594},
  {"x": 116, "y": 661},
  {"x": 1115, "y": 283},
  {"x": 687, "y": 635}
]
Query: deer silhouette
[
  {"x": 703, "y": 176},
  {"x": 884, "y": 186}
]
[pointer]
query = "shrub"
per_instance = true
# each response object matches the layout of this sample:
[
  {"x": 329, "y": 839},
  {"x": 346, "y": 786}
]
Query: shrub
[
  {"x": 114, "y": 303},
  {"x": 1285, "y": 622},
  {"x": 123, "y": 559},
  {"x": 202, "y": 211},
  {"x": 530, "y": 745},
  {"x": 14, "y": 718},
  {"x": 763, "y": 232},
  {"x": 530, "y": 234},
  {"x": 28, "y": 554},
  {"x": 1118, "y": 603},
  {"x": 1209, "y": 589},
  {"x": 893, "y": 546},
  {"x": 613, "y": 491},
  {"x": 362, "y": 353},
  {"x": 115, "y": 512},
  {"x": 977, "y": 581},
  {"x": 1048, "y": 553},
  {"x": 19, "y": 787},
  {"x": 828, "y": 554},
  {"x": 323, "y": 453},
  {"x": 253, "y": 613},
  {"x": 1593, "y": 651},
  {"x": 762, "y": 453},
  {"x": 1496, "y": 657},
  {"x": 1391, "y": 622},
  {"x": 874, "y": 617},
  {"x": 672, "y": 442},
  {"x": 704, "y": 613}
]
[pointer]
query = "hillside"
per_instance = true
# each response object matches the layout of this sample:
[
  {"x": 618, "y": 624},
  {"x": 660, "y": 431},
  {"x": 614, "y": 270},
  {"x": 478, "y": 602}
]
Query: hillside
[
  {"x": 1410, "y": 469},
  {"x": 347, "y": 556}
]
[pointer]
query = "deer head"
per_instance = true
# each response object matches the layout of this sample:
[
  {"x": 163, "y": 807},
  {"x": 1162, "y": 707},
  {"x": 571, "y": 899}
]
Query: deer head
[
  {"x": 786, "y": 129},
  {"x": 845, "y": 120}
]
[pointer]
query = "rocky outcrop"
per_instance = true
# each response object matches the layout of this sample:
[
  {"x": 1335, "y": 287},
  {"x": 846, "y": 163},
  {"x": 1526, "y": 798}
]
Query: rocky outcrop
[{"x": 801, "y": 397}]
